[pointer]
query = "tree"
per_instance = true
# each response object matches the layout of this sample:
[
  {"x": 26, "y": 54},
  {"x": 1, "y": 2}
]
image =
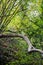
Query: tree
[{"x": 8, "y": 10}]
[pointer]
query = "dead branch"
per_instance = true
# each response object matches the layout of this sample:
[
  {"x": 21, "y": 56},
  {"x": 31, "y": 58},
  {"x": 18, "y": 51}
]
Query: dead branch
[{"x": 30, "y": 46}]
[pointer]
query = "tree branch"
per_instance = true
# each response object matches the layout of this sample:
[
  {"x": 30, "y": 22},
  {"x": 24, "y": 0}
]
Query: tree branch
[{"x": 30, "y": 46}]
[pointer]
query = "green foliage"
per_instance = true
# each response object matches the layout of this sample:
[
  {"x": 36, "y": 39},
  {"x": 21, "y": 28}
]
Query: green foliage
[{"x": 25, "y": 17}]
